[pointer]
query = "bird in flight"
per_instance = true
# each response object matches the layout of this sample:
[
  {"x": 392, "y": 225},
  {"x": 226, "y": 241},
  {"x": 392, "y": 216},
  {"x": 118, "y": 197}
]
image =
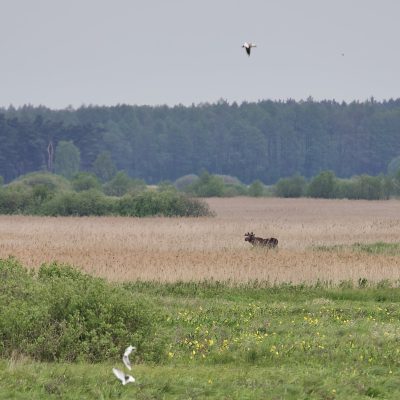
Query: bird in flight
[
  {"x": 125, "y": 357},
  {"x": 248, "y": 46},
  {"x": 122, "y": 376}
]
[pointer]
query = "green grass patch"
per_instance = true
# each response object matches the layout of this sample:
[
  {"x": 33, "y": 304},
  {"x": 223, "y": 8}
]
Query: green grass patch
[
  {"x": 37, "y": 381},
  {"x": 372, "y": 248},
  {"x": 195, "y": 340}
]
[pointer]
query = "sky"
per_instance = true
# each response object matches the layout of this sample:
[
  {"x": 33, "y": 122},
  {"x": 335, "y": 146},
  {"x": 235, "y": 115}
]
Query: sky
[{"x": 61, "y": 53}]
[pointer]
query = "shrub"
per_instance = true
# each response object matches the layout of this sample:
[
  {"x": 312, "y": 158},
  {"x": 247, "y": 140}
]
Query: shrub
[
  {"x": 16, "y": 200},
  {"x": 167, "y": 203},
  {"x": 89, "y": 202},
  {"x": 323, "y": 185},
  {"x": 364, "y": 187},
  {"x": 122, "y": 184},
  {"x": 53, "y": 182},
  {"x": 369, "y": 187},
  {"x": 85, "y": 181},
  {"x": 62, "y": 314},
  {"x": 294, "y": 186},
  {"x": 207, "y": 186},
  {"x": 256, "y": 189}
]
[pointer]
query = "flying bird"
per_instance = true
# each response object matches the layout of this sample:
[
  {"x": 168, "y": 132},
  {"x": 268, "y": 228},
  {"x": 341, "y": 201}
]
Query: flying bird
[
  {"x": 125, "y": 357},
  {"x": 122, "y": 376},
  {"x": 248, "y": 47}
]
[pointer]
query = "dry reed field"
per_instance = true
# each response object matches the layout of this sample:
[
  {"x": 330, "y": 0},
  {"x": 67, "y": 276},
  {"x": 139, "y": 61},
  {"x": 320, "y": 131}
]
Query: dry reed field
[{"x": 193, "y": 249}]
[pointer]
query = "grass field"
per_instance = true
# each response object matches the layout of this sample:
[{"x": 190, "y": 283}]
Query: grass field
[
  {"x": 317, "y": 319},
  {"x": 186, "y": 249},
  {"x": 246, "y": 342}
]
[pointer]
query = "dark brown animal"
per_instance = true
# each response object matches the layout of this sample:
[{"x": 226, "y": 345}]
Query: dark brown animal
[{"x": 257, "y": 241}]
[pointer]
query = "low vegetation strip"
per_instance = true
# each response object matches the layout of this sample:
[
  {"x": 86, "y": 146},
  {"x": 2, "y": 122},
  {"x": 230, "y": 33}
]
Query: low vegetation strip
[
  {"x": 196, "y": 340},
  {"x": 41, "y": 201},
  {"x": 372, "y": 248}
]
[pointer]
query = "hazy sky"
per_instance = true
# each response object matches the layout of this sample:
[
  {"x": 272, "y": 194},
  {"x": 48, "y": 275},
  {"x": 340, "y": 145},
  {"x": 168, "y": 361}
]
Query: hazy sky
[{"x": 73, "y": 52}]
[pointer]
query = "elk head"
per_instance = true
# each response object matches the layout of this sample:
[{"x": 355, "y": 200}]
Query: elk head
[{"x": 249, "y": 236}]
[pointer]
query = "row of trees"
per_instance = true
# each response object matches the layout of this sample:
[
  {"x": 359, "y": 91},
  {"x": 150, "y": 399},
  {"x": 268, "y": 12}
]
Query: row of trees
[
  {"x": 327, "y": 185},
  {"x": 267, "y": 140}
]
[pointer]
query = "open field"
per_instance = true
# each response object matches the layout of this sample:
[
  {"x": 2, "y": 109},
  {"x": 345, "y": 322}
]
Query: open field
[
  {"x": 206, "y": 339},
  {"x": 219, "y": 342},
  {"x": 171, "y": 249}
]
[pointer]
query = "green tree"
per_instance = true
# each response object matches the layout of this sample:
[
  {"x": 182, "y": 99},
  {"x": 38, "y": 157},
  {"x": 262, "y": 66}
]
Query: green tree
[
  {"x": 207, "y": 186},
  {"x": 294, "y": 186},
  {"x": 323, "y": 185},
  {"x": 85, "y": 181},
  {"x": 122, "y": 184},
  {"x": 104, "y": 167},
  {"x": 369, "y": 187},
  {"x": 67, "y": 159},
  {"x": 256, "y": 189}
]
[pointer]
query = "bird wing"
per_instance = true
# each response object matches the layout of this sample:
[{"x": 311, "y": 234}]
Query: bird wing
[
  {"x": 119, "y": 374},
  {"x": 125, "y": 358},
  {"x": 128, "y": 350},
  {"x": 127, "y": 362}
]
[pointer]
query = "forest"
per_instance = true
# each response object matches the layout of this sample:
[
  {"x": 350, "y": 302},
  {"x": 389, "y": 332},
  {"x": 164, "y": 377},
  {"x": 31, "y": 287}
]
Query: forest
[{"x": 266, "y": 141}]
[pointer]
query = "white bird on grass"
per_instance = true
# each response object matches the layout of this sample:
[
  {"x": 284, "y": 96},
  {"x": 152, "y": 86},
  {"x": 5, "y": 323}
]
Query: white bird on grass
[
  {"x": 125, "y": 357},
  {"x": 122, "y": 376},
  {"x": 248, "y": 46}
]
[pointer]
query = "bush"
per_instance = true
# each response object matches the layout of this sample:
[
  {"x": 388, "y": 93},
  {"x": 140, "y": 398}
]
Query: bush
[
  {"x": 368, "y": 187},
  {"x": 294, "y": 186},
  {"x": 364, "y": 187},
  {"x": 122, "y": 184},
  {"x": 61, "y": 314},
  {"x": 89, "y": 202},
  {"x": 167, "y": 203},
  {"x": 16, "y": 200},
  {"x": 54, "y": 183},
  {"x": 256, "y": 189},
  {"x": 85, "y": 181},
  {"x": 323, "y": 185},
  {"x": 207, "y": 186}
]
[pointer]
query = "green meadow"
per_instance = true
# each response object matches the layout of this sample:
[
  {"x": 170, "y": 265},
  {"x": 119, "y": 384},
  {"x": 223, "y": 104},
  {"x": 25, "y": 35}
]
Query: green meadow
[{"x": 62, "y": 332}]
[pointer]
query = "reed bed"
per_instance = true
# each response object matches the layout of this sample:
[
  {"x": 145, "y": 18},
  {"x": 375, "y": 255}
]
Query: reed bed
[{"x": 196, "y": 249}]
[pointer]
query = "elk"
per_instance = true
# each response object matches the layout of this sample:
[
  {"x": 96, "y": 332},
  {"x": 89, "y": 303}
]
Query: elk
[{"x": 257, "y": 241}]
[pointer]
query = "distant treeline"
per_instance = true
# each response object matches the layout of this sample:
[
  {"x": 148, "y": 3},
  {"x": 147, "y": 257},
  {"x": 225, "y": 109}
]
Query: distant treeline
[{"x": 267, "y": 140}]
